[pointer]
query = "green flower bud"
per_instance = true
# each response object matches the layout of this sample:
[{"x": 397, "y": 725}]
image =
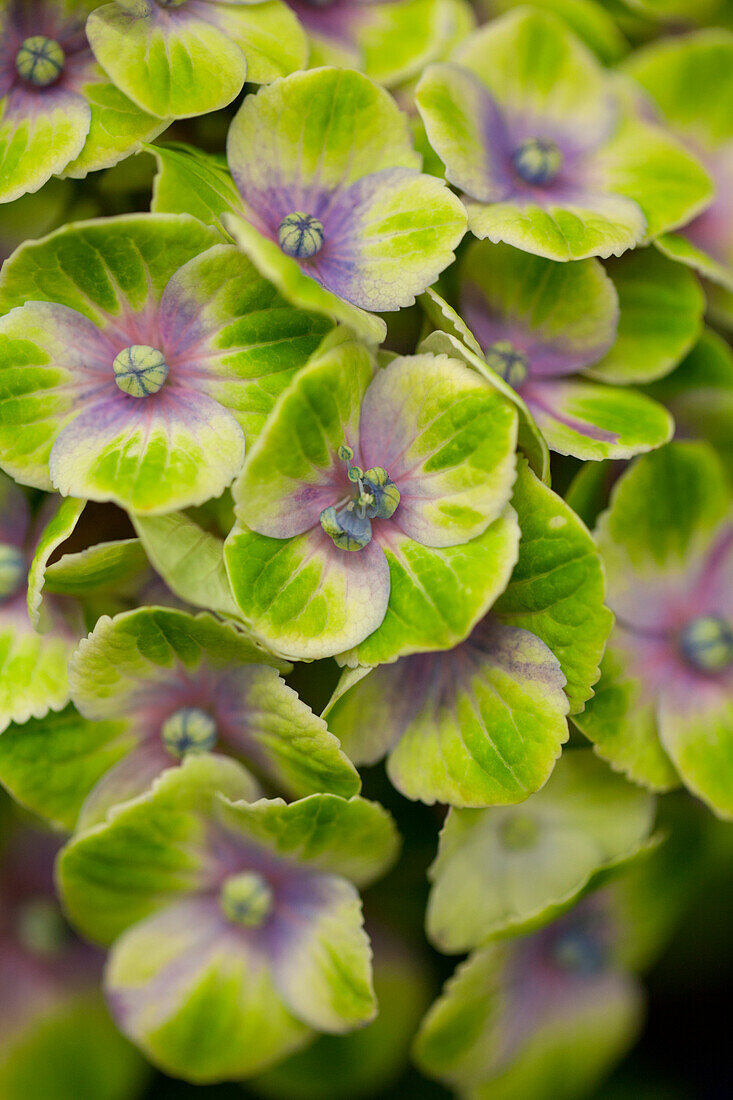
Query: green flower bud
[
  {"x": 246, "y": 899},
  {"x": 140, "y": 370},
  {"x": 300, "y": 235},
  {"x": 706, "y": 643},
  {"x": 40, "y": 60},
  {"x": 537, "y": 162},
  {"x": 189, "y": 730}
]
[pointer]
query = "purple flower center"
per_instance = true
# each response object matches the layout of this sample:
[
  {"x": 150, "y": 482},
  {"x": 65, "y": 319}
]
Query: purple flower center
[
  {"x": 506, "y": 361},
  {"x": 376, "y": 497},
  {"x": 706, "y": 643},
  {"x": 40, "y": 61},
  {"x": 140, "y": 370},
  {"x": 246, "y": 899},
  {"x": 12, "y": 570},
  {"x": 300, "y": 235},
  {"x": 537, "y": 161},
  {"x": 40, "y": 927},
  {"x": 518, "y": 832},
  {"x": 189, "y": 729}
]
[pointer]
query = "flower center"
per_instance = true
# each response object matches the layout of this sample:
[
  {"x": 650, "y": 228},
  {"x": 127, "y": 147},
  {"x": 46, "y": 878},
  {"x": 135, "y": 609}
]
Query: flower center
[
  {"x": 537, "y": 161},
  {"x": 189, "y": 730},
  {"x": 376, "y": 497},
  {"x": 578, "y": 951},
  {"x": 246, "y": 899},
  {"x": 506, "y": 361},
  {"x": 140, "y": 370},
  {"x": 41, "y": 928},
  {"x": 300, "y": 235},
  {"x": 519, "y": 832},
  {"x": 706, "y": 643},
  {"x": 40, "y": 60},
  {"x": 12, "y": 570}
]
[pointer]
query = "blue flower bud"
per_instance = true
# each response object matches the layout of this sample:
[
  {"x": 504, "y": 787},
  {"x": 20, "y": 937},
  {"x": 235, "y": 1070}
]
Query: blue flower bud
[
  {"x": 706, "y": 643},
  {"x": 385, "y": 493},
  {"x": 13, "y": 570},
  {"x": 345, "y": 453},
  {"x": 40, "y": 60},
  {"x": 300, "y": 235},
  {"x": 508, "y": 363},
  {"x": 537, "y": 162},
  {"x": 347, "y": 528},
  {"x": 579, "y": 951},
  {"x": 189, "y": 729},
  {"x": 140, "y": 370},
  {"x": 246, "y": 899}
]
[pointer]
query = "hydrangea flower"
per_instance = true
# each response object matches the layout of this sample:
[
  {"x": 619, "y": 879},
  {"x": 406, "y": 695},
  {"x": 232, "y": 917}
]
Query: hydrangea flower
[
  {"x": 234, "y": 921},
  {"x": 518, "y": 1018},
  {"x": 388, "y": 40},
  {"x": 336, "y": 211},
  {"x": 546, "y": 147},
  {"x": 540, "y": 324},
  {"x": 146, "y": 353},
  {"x": 33, "y": 669},
  {"x": 375, "y": 506},
  {"x": 152, "y": 686},
  {"x": 504, "y": 870},
  {"x": 176, "y": 58},
  {"x": 52, "y": 1005},
  {"x": 58, "y": 110},
  {"x": 483, "y": 723},
  {"x": 690, "y": 81},
  {"x": 664, "y": 704}
]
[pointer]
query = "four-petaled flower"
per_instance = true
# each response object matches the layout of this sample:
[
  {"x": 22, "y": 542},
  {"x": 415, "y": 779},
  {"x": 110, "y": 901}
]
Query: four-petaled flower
[
  {"x": 158, "y": 350},
  {"x": 663, "y": 708},
  {"x": 58, "y": 110},
  {"x": 153, "y": 686},
  {"x": 372, "y": 489},
  {"x": 540, "y": 325},
  {"x": 546, "y": 147},
  {"x": 255, "y": 902},
  {"x": 336, "y": 211}
]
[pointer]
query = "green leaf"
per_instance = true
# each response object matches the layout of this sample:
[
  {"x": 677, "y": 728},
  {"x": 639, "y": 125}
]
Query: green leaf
[
  {"x": 501, "y": 871},
  {"x": 50, "y": 764},
  {"x": 105, "y": 267},
  {"x": 529, "y": 438},
  {"x": 557, "y": 588},
  {"x": 190, "y": 181},
  {"x": 438, "y": 594},
  {"x": 189, "y": 560},
  {"x": 54, "y": 534},
  {"x": 479, "y": 725},
  {"x": 699, "y": 394},
  {"x": 660, "y": 318}
]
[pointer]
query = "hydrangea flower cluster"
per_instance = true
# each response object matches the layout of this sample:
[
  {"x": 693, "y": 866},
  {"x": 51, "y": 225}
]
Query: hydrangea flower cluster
[{"x": 366, "y": 537}]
